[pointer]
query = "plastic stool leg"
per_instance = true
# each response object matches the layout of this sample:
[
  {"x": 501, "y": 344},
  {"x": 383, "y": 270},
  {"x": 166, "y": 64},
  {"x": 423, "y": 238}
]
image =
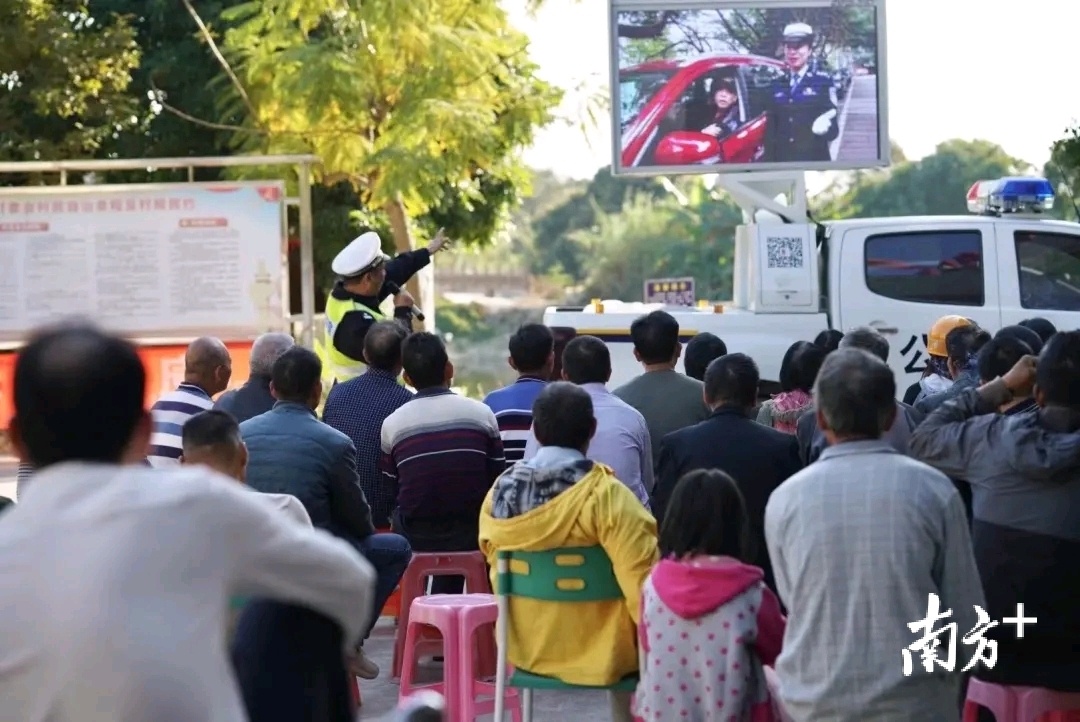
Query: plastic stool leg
[
  {"x": 408, "y": 667},
  {"x": 526, "y": 703}
]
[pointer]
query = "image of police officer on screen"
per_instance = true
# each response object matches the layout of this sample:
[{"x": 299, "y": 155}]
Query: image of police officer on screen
[{"x": 802, "y": 114}]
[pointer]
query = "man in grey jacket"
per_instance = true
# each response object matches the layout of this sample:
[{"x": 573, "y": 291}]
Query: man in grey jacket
[
  {"x": 811, "y": 439},
  {"x": 1024, "y": 471}
]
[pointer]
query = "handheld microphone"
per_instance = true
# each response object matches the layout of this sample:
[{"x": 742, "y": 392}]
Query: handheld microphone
[{"x": 394, "y": 290}]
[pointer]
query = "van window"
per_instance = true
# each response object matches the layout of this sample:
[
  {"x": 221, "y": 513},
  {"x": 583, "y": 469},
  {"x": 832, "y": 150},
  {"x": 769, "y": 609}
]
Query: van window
[
  {"x": 927, "y": 267},
  {"x": 1049, "y": 270}
]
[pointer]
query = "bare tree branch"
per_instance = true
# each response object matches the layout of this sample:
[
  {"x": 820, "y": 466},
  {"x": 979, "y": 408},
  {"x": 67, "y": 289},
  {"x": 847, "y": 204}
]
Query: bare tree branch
[
  {"x": 209, "y": 38},
  {"x": 646, "y": 32},
  {"x": 159, "y": 98}
]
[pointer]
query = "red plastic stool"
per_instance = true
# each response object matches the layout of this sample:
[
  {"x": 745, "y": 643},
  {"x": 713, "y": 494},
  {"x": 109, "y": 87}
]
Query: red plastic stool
[
  {"x": 354, "y": 692},
  {"x": 470, "y": 565},
  {"x": 1035, "y": 704},
  {"x": 459, "y": 617}
]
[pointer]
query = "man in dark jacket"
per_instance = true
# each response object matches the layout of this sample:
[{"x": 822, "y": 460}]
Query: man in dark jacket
[
  {"x": 291, "y": 452},
  {"x": 757, "y": 457},
  {"x": 962, "y": 344},
  {"x": 812, "y": 442},
  {"x": 254, "y": 397},
  {"x": 1024, "y": 472}
]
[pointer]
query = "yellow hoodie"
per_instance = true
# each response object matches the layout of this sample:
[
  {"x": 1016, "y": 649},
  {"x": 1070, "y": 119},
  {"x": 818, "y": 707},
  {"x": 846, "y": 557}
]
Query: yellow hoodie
[{"x": 588, "y": 643}]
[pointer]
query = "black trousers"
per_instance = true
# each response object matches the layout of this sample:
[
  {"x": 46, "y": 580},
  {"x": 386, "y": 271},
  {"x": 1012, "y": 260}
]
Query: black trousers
[
  {"x": 440, "y": 535},
  {"x": 290, "y": 665}
]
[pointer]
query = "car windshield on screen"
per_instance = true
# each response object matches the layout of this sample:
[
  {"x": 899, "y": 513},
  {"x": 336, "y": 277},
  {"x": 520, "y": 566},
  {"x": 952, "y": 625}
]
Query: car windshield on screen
[{"x": 636, "y": 90}]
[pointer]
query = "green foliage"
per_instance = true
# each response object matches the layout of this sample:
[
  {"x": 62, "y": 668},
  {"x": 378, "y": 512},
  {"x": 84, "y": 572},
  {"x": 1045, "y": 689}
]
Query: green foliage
[
  {"x": 66, "y": 77},
  {"x": 665, "y": 237},
  {"x": 424, "y": 102},
  {"x": 936, "y": 185},
  {"x": 1064, "y": 171},
  {"x": 466, "y": 322},
  {"x": 554, "y": 245},
  {"x": 677, "y": 33}
]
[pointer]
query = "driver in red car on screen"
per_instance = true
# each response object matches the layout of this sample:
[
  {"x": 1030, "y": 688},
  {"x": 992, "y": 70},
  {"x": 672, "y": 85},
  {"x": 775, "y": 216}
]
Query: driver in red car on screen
[{"x": 726, "y": 100}]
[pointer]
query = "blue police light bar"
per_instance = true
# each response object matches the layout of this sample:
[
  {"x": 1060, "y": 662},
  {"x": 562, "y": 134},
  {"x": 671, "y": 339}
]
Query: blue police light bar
[{"x": 1011, "y": 196}]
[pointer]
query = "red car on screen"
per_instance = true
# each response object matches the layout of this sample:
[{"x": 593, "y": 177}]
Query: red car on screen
[{"x": 665, "y": 104}]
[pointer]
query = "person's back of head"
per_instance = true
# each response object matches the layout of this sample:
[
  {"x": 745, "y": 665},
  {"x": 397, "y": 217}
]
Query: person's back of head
[
  {"x": 383, "y": 344},
  {"x": 532, "y": 350},
  {"x": 702, "y": 350},
  {"x": 1041, "y": 326},
  {"x": 706, "y": 516},
  {"x": 563, "y": 417},
  {"x": 212, "y": 438},
  {"x": 586, "y": 360},
  {"x": 296, "y": 377},
  {"x": 426, "y": 363},
  {"x": 1026, "y": 335},
  {"x": 208, "y": 365},
  {"x": 1057, "y": 376},
  {"x": 999, "y": 355},
  {"x": 266, "y": 350},
  {"x": 829, "y": 340},
  {"x": 732, "y": 380},
  {"x": 868, "y": 340},
  {"x": 656, "y": 338},
  {"x": 79, "y": 396},
  {"x": 854, "y": 396},
  {"x": 962, "y": 346},
  {"x": 800, "y": 366}
]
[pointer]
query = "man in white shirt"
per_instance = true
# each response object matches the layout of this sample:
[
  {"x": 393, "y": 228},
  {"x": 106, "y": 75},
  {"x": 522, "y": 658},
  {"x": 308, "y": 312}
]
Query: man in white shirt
[
  {"x": 115, "y": 579},
  {"x": 212, "y": 439}
]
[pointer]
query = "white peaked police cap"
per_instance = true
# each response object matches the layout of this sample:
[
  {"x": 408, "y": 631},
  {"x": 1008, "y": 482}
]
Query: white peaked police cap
[
  {"x": 361, "y": 255},
  {"x": 798, "y": 31}
]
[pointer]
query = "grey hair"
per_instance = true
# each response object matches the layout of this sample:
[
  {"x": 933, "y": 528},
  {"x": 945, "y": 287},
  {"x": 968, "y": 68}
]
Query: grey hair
[
  {"x": 855, "y": 392},
  {"x": 266, "y": 350},
  {"x": 867, "y": 339}
]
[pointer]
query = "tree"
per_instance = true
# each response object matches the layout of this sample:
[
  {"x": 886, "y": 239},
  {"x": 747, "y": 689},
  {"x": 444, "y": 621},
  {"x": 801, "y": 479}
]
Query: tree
[
  {"x": 936, "y": 185},
  {"x": 66, "y": 76},
  {"x": 1064, "y": 171},
  {"x": 662, "y": 237},
  {"x": 404, "y": 100}
]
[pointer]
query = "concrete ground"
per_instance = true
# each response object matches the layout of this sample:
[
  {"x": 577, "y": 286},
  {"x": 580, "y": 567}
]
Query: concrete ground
[
  {"x": 858, "y": 132},
  {"x": 380, "y": 696}
]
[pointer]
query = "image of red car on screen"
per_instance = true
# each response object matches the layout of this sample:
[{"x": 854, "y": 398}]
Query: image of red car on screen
[{"x": 705, "y": 110}]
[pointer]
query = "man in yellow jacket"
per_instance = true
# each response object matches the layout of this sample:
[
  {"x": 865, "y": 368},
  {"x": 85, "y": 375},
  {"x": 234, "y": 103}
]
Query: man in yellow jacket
[{"x": 561, "y": 499}]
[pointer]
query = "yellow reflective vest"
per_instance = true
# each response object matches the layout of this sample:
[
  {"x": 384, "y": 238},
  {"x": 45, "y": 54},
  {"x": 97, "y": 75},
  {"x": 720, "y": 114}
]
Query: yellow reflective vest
[{"x": 336, "y": 365}]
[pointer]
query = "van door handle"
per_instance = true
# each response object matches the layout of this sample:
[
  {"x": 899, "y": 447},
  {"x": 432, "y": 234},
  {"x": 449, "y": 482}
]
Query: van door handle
[{"x": 890, "y": 330}]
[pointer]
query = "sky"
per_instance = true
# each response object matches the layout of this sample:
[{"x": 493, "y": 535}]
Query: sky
[{"x": 955, "y": 70}]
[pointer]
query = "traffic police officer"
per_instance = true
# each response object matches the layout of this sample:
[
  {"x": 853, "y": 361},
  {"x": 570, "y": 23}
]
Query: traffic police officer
[
  {"x": 802, "y": 116},
  {"x": 363, "y": 272}
]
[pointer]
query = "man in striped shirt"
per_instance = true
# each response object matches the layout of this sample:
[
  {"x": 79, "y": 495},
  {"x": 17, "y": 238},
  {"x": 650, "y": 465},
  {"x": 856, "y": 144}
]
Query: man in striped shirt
[
  {"x": 207, "y": 368},
  {"x": 532, "y": 355},
  {"x": 441, "y": 453}
]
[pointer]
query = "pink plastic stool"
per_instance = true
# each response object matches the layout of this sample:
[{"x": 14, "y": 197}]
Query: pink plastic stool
[
  {"x": 458, "y": 617},
  {"x": 997, "y": 698},
  {"x": 1020, "y": 704},
  {"x": 470, "y": 565}
]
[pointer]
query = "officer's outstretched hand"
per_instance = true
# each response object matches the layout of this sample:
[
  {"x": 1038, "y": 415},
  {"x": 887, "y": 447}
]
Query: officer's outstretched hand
[
  {"x": 439, "y": 242},
  {"x": 823, "y": 123}
]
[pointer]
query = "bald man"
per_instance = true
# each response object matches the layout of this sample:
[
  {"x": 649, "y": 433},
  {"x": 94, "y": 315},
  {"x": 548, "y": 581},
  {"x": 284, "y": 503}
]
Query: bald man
[{"x": 207, "y": 368}]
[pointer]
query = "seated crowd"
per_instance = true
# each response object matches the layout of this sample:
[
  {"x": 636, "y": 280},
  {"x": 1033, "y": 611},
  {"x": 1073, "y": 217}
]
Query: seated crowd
[{"x": 774, "y": 558}]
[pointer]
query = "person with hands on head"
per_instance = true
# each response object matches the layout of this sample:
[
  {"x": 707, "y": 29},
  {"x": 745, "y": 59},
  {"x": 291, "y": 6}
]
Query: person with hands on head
[
  {"x": 365, "y": 278},
  {"x": 1024, "y": 471}
]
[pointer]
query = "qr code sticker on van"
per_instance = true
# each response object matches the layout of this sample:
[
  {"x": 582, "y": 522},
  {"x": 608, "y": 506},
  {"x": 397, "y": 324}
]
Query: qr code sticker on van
[{"x": 784, "y": 252}]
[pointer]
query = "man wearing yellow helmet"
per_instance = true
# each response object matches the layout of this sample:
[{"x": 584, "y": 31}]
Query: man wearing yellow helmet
[{"x": 953, "y": 345}]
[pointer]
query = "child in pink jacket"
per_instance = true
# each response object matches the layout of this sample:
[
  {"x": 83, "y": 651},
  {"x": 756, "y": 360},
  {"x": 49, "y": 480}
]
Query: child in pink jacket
[{"x": 708, "y": 623}]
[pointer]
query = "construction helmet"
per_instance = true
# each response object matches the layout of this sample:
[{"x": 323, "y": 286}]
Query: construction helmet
[{"x": 935, "y": 342}]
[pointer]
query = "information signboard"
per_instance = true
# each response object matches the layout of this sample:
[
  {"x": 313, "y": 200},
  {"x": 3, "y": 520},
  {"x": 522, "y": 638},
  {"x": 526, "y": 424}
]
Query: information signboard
[
  {"x": 155, "y": 262},
  {"x": 670, "y": 291}
]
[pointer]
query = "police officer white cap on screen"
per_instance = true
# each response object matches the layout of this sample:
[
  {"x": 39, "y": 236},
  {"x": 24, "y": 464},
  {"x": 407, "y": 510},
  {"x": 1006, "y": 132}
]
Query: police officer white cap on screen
[
  {"x": 365, "y": 277},
  {"x": 803, "y": 115}
]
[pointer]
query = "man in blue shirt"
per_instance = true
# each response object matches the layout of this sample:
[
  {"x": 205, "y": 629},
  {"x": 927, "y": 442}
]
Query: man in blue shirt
[
  {"x": 532, "y": 355},
  {"x": 358, "y": 407}
]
